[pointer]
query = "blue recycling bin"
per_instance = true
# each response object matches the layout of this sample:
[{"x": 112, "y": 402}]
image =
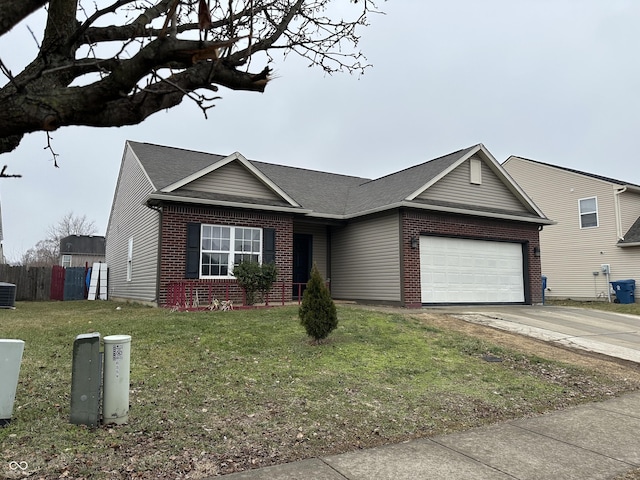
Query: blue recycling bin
[
  {"x": 544, "y": 286},
  {"x": 624, "y": 290}
]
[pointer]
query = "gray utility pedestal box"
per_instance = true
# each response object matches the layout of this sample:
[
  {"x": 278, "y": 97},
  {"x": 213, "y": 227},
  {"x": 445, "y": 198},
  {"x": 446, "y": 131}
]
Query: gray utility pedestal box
[
  {"x": 86, "y": 380},
  {"x": 10, "y": 359}
]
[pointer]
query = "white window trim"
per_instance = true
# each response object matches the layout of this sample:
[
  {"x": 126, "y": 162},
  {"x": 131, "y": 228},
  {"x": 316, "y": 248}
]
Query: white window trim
[
  {"x": 230, "y": 252},
  {"x": 129, "y": 259},
  {"x": 581, "y": 213},
  {"x": 66, "y": 259}
]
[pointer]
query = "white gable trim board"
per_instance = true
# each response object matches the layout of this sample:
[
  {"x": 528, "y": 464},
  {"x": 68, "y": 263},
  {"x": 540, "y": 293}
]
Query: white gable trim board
[
  {"x": 444, "y": 173},
  {"x": 235, "y": 157},
  {"x": 460, "y": 270}
]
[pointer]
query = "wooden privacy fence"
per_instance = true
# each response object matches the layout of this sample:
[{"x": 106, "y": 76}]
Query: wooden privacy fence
[
  {"x": 45, "y": 283},
  {"x": 32, "y": 283}
]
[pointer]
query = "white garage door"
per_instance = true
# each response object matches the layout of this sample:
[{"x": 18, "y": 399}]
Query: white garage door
[{"x": 455, "y": 270}]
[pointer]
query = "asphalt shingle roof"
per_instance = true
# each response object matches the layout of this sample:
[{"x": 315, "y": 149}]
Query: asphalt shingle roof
[
  {"x": 167, "y": 165},
  {"x": 397, "y": 186},
  {"x": 633, "y": 234},
  {"x": 323, "y": 193},
  {"x": 82, "y": 244}
]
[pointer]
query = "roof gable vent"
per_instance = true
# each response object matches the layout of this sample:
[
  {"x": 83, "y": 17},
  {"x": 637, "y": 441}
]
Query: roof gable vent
[{"x": 475, "y": 171}]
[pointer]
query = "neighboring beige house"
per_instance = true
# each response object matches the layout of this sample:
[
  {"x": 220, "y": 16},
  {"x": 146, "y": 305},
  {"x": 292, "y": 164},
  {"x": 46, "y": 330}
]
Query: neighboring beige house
[{"x": 597, "y": 236}]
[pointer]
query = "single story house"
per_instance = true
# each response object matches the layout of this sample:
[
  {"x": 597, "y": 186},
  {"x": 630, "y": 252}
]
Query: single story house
[
  {"x": 453, "y": 230},
  {"x": 82, "y": 250},
  {"x": 597, "y": 236}
]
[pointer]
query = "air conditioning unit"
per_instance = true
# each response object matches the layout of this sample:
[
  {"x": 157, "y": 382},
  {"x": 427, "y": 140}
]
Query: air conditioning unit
[{"x": 7, "y": 295}]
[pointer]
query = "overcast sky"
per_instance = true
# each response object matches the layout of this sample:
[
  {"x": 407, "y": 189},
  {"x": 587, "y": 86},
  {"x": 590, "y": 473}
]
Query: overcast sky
[{"x": 552, "y": 80}]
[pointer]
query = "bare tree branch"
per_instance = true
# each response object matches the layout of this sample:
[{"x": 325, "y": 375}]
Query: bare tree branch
[
  {"x": 163, "y": 56},
  {"x": 13, "y": 12},
  {"x": 4, "y": 174}
]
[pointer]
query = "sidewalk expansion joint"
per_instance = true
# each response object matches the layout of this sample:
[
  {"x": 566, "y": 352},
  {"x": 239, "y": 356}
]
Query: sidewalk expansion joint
[
  {"x": 473, "y": 459},
  {"x": 333, "y": 468},
  {"x": 572, "y": 445}
]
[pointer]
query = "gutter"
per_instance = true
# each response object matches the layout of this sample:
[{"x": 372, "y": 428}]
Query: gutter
[
  {"x": 616, "y": 207},
  {"x": 630, "y": 244},
  {"x": 437, "y": 208},
  {"x": 312, "y": 214},
  {"x": 222, "y": 203}
]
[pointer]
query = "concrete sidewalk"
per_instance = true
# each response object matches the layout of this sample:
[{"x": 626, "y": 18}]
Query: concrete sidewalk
[{"x": 594, "y": 441}]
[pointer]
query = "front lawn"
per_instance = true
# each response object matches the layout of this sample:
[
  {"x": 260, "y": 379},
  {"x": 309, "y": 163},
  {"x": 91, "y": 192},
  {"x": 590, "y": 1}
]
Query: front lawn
[{"x": 217, "y": 392}]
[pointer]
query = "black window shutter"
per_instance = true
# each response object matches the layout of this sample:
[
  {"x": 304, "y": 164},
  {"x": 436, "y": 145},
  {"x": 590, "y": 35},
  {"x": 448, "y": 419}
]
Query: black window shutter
[
  {"x": 268, "y": 245},
  {"x": 193, "y": 251}
]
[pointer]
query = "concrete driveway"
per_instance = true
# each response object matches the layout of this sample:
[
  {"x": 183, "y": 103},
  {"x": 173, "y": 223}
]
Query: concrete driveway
[{"x": 612, "y": 334}]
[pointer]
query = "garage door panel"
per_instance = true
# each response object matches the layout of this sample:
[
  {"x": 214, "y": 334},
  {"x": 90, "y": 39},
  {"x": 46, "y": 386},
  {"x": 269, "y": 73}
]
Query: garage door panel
[{"x": 455, "y": 270}]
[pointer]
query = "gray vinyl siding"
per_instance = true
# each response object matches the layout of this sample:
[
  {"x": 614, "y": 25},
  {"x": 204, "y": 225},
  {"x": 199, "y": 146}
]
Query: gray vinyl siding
[
  {"x": 232, "y": 179},
  {"x": 365, "y": 259},
  {"x": 569, "y": 254},
  {"x": 457, "y": 188},
  {"x": 319, "y": 245},
  {"x": 130, "y": 218}
]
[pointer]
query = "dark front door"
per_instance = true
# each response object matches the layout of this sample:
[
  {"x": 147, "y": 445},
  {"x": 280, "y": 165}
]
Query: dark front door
[{"x": 302, "y": 255}]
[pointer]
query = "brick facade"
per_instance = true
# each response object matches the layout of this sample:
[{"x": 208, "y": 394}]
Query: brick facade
[
  {"x": 416, "y": 223},
  {"x": 175, "y": 218}
]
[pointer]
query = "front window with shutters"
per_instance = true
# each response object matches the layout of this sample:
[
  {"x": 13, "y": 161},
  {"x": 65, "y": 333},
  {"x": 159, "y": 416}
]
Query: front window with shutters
[{"x": 222, "y": 247}]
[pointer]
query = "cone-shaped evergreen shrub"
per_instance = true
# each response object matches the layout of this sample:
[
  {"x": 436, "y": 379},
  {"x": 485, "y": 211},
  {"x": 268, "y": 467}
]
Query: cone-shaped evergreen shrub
[{"x": 317, "y": 312}]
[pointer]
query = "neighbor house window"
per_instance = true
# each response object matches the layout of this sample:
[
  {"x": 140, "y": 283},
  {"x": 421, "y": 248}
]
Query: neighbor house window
[
  {"x": 222, "y": 247},
  {"x": 129, "y": 259},
  {"x": 588, "y": 212},
  {"x": 66, "y": 261}
]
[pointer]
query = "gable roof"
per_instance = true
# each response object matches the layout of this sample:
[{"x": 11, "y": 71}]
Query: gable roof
[
  {"x": 235, "y": 157},
  {"x": 400, "y": 186},
  {"x": 322, "y": 194},
  {"x": 82, "y": 245},
  {"x": 167, "y": 165}
]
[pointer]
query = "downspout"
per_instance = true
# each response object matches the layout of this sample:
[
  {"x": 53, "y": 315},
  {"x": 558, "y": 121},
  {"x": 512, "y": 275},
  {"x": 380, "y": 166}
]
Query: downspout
[
  {"x": 159, "y": 254},
  {"x": 403, "y": 295},
  {"x": 328, "y": 231},
  {"x": 616, "y": 206}
]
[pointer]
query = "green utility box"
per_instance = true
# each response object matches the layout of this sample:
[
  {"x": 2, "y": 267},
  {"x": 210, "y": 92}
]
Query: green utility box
[{"x": 86, "y": 380}]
